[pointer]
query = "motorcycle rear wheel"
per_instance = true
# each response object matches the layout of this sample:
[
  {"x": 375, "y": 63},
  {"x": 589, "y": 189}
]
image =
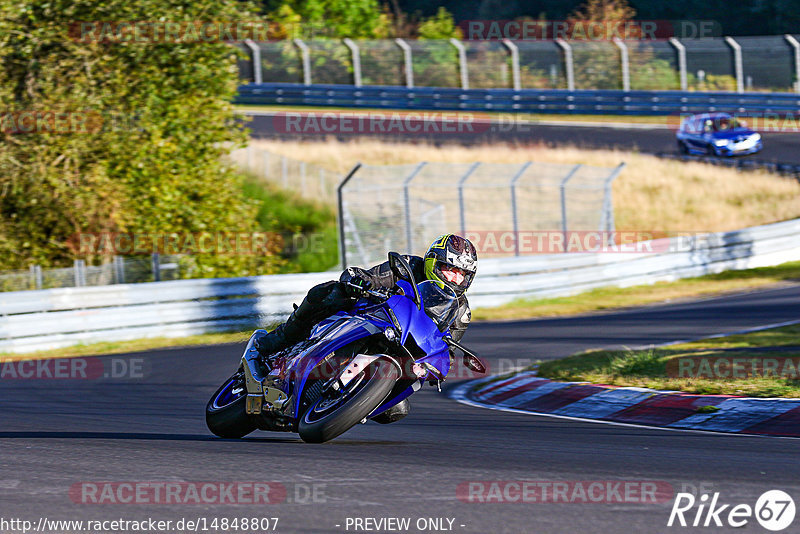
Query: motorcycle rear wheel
[{"x": 320, "y": 423}]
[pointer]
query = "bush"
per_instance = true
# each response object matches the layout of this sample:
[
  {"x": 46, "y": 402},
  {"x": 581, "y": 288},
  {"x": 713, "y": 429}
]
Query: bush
[{"x": 156, "y": 168}]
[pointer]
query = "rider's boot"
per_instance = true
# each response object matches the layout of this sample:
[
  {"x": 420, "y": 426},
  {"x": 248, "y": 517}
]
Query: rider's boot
[
  {"x": 321, "y": 301},
  {"x": 295, "y": 329},
  {"x": 395, "y": 413}
]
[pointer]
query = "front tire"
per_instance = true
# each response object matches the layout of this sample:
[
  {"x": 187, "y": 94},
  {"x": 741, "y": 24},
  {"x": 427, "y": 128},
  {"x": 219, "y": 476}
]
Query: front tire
[
  {"x": 319, "y": 424},
  {"x": 225, "y": 412}
]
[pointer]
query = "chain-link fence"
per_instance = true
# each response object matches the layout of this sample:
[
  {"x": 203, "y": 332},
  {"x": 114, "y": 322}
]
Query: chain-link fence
[
  {"x": 121, "y": 270},
  {"x": 308, "y": 180},
  {"x": 405, "y": 207},
  {"x": 770, "y": 63}
]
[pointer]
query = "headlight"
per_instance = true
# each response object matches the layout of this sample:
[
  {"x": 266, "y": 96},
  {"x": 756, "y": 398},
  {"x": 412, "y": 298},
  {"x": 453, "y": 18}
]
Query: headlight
[
  {"x": 756, "y": 137},
  {"x": 390, "y": 334},
  {"x": 721, "y": 142}
]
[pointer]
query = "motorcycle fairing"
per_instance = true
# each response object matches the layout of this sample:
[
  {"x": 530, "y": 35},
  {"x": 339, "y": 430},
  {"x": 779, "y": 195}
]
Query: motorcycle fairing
[{"x": 336, "y": 332}]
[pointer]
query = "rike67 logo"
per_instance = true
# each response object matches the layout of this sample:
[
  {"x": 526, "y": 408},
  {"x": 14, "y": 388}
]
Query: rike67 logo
[{"x": 774, "y": 510}]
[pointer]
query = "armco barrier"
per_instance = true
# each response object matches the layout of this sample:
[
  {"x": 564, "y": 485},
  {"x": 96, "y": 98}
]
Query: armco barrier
[
  {"x": 36, "y": 320},
  {"x": 583, "y": 102}
]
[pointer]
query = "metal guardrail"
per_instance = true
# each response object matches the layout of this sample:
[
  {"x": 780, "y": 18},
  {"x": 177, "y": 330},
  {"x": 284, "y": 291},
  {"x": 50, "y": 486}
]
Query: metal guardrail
[
  {"x": 46, "y": 319},
  {"x": 585, "y": 102}
]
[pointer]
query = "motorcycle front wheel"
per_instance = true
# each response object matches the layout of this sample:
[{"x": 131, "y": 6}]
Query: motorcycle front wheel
[{"x": 333, "y": 413}]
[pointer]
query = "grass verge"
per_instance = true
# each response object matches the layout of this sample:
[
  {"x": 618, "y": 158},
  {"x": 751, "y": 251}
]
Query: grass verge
[
  {"x": 660, "y": 368},
  {"x": 136, "y": 345},
  {"x": 607, "y": 298}
]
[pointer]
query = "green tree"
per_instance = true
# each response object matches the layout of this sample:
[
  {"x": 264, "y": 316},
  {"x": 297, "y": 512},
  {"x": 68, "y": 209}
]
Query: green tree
[
  {"x": 158, "y": 167},
  {"x": 439, "y": 26},
  {"x": 357, "y": 19}
]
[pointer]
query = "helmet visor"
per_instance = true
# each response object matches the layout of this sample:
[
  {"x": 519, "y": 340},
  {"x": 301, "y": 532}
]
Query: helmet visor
[{"x": 455, "y": 276}]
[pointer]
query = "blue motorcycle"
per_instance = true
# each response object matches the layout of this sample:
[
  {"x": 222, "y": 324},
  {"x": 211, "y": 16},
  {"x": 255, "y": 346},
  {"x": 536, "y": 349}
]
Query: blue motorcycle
[{"x": 355, "y": 365}]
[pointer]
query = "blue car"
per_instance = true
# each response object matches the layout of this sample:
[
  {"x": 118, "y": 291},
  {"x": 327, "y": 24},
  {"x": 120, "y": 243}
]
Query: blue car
[{"x": 717, "y": 134}]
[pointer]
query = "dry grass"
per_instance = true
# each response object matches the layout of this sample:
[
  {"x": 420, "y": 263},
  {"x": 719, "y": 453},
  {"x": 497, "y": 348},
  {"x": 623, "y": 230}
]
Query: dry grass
[
  {"x": 650, "y": 194},
  {"x": 124, "y": 347}
]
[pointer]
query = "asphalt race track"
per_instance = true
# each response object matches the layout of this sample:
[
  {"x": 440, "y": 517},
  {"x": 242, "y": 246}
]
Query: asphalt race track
[
  {"x": 58, "y": 433},
  {"x": 778, "y": 147}
]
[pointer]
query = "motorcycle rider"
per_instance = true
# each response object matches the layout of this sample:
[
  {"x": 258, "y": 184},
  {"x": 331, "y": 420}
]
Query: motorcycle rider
[{"x": 450, "y": 261}]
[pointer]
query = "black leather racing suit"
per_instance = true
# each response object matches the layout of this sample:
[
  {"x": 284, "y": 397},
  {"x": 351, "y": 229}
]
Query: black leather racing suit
[{"x": 382, "y": 276}]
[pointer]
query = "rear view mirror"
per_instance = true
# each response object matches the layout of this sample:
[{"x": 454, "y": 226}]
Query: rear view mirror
[
  {"x": 402, "y": 270},
  {"x": 398, "y": 266},
  {"x": 474, "y": 363}
]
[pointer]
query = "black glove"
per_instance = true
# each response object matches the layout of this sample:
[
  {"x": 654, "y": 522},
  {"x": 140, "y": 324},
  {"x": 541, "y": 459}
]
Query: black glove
[{"x": 352, "y": 278}]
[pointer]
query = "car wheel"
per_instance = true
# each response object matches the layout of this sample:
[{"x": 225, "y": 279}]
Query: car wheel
[{"x": 682, "y": 148}]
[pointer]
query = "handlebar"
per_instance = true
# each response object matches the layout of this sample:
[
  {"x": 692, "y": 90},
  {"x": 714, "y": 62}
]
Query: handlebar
[{"x": 381, "y": 293}]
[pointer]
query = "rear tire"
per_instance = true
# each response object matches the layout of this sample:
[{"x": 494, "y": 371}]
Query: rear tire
[
  {"x": 379, "y": 380},
  {"x": 225, "y": 413}
]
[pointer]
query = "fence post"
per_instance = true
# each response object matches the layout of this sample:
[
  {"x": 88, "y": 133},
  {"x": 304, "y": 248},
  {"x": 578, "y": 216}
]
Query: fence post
[
  {"x": 38, "y": 275},
  {"x": 568, "y": 63},
  {"x": 356, "y": 60},
  {"x": 563, "y": 190},
  {"x": 796, "y": 46},
  {"x": 265, "y": 157},
  {"x": 624, "y": 63},
  {"x": 461, "y": 196},
  {"x": 409, "y": 68},
  {"x": 119, "y": 269},
  {"x": 256, "y": 60},
  {"x": 407, "y": 203},
  {"x": 306, "y": 57},
  {"x": 681, "y": 62},
  {"x": 514, "y": 218},
  {"x": 462, "y": 62},
  {"x": 303, "y": 178},
  {"x": 156, "y": 262},
  {"x": 607, "y": 216},
  {"x": 340, "y": 201},
  {"x": 737, "y": 63},
  {"x": 285, "y": 172},
  {"x": 514, "y": 50},
  {"x": 77, "y": 270},
  {"x": 323, "y": 193},
  {"x": 249, "y": 151}
]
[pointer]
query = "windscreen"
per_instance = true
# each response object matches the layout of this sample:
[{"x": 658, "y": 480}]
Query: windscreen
[{"x": 440, "y": 304}]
